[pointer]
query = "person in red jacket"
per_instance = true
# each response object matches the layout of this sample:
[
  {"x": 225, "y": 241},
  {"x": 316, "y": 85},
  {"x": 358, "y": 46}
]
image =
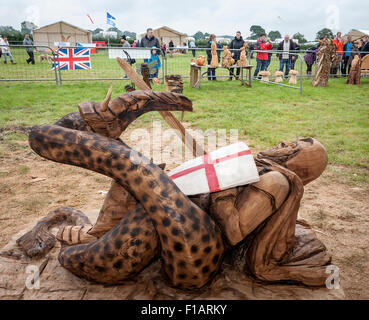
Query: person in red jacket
[
  {"x": 338, "y": 42},
  {"x": 262, "y": 57}
]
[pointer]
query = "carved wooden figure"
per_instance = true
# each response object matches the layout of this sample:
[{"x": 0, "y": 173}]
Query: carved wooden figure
[
  {"x": 326, "y": 56},
  {"x": 227, "y": 60},
  {"x": 265, "y": 75},
  {"x": 293, "y": 76},
  {"x": 214, "y": 55},
  {"x": 278, "y": 76},
  {"x": 355, "y": 71},
  {"x": 243, "y": 59}
]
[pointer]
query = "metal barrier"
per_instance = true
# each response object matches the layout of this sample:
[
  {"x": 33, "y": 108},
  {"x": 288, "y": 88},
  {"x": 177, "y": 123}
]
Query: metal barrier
[
  {"x": 104, "y": 66},
  {"x": 174, "y": 61},
  {"x": 284, "y": 66},
  {"x": 37, "y": 70}
]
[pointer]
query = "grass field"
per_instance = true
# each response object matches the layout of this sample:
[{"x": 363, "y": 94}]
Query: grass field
[{"x": 337, "y": 115}]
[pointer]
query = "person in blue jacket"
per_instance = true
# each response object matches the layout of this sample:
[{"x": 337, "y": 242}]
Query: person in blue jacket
[{"x": 155, "y": 57}]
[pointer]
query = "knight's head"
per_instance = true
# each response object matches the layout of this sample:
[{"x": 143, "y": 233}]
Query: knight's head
[{"x": 306, "y": 157}]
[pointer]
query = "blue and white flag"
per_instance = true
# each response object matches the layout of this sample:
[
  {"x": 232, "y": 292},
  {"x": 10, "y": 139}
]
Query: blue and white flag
[{"x": 110, "y": 19}]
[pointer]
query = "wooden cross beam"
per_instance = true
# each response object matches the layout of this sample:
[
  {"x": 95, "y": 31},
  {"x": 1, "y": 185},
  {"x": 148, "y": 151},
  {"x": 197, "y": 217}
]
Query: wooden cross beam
[{"x": 172, "y": 121}]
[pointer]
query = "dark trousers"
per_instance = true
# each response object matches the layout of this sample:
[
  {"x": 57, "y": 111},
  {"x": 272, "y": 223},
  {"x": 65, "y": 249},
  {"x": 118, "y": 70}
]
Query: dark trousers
[
  {"x": 260, "y": 66},
  {"x": 231, "y": 71},
  {"x": 211, "y": 72},
  {"x": 287, "y": 63},
  {"x": 31, "y": 57},
  {"x": 345, "y": 65},
  {"x": 309, "y": 68},
  {"x": 194, "y": 53}
]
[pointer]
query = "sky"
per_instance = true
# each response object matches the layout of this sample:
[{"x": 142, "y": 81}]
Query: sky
[{"x": 222, "y": 17}]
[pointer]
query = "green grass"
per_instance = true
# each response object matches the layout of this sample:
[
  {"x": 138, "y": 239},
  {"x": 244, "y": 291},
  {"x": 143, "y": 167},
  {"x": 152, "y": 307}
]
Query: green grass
[{"x": 266, "y": 114}]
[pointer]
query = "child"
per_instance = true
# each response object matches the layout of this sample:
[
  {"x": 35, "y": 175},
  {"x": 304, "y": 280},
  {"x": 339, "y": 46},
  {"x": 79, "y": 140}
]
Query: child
[{"x": 154, "y": 57}]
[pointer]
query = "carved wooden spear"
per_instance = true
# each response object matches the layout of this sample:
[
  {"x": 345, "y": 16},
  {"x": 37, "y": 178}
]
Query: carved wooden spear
[{"x": 187, "y": 139}]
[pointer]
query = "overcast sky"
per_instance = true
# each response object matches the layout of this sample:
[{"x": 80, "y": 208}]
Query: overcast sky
[{"x": 189, "y": 16}]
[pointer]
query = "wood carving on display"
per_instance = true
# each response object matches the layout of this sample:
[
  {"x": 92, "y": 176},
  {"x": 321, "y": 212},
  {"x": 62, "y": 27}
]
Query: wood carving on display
[
  {"x": 227, "y": 60},
  {"x": 278, "y": 76},
  {"x": 326, "y": 56},
  {"x": 243, "y": 59},
  {"x": 214, "y": 55},
  {"x": 145, "y": 216},
  {"x": 174, "y": 83},
  {"x": 199, "y": 61},
  {"x": 355, "y": 71},
  {"x": 265, "y": 75},
  {"x": 293, "y": 76}
]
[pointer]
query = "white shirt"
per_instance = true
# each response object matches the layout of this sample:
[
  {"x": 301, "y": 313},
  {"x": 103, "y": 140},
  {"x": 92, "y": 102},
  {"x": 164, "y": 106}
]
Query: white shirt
[{"x": 286, "y": 49}]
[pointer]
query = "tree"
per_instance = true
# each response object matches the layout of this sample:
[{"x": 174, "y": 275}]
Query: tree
[
  {"x": 255, "y": 32},
  {"x": 27, "y": 27},
  {"x": 97, "y": 31},
  {"x": 325, "y": 33},
  {"x": 273, "y": 35},
  {"x": 199, "y": 35},
  {"x": 300, "y": 37}
]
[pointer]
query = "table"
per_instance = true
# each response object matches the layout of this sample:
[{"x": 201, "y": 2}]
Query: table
[{"x": 196, "y": 75}]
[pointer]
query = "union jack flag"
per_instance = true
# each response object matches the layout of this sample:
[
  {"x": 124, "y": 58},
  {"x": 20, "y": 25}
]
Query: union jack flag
[{"x": 73, "y": 59}]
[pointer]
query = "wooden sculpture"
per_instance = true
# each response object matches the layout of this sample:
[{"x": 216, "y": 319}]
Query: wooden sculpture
[
  {"x": 265, "y": 75},
  {"x": 355, "y": 71},
  {"x": 214, "y": 55},
  {"x": 156, "y": 81},
  {"x": 227, "y": 60},
  {"x": 293, "y": 76},
  {"x": 174, "y": 83},
  {"x": 326, "y": 56},
  {"x": 146, "y": 216},
  {"x": 200, "y": 61},
  {"x": 278, "y": 76},
  {"x": 243, "y": 60}
]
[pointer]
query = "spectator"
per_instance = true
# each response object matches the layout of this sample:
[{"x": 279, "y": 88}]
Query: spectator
[
  {"x": 149, "y": 40},
  {"x": 269, "y": 55},
  {"x": 124, "y": 42},
  {"x": 346, "y": 55},
  {"x": 355, "y": 50},
  {"x": 287, "y": 46},
  {"x": 1, "y": 49},
  {"x": 134, "y": 44},
  {"x": 365, "y": 46},
  {"x": 310, "y": 58},
  {"x": 155, "y": 57},
  {"x": 211, "y": 71},
  {"x": 193, "y": 46},
  {"x": 164, "y": 49},
  {"x": 28, "y": 42},
  {"x": 235, "y": 46},
  {"x": 338, "y": 42},
  {"x": 6, "y": 50},
  {"x": 262, "y": 57},
  {"x": 296, "y": 50},
  {"x": 171, "y": 46}
]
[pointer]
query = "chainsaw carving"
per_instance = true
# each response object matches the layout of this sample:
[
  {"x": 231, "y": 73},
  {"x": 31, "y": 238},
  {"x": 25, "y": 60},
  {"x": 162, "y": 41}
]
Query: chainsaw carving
[
  {"x": 293, "y": 76},
  {"x": 278, "y": 76},
  {"x": 243, "y": 60},
  {"x": 200, "y": 61},
  {"x": 174, "y": 83},
  {"x": 265, "y": 75},
  {"x": 214, "y": 55},
  {"x": 227, "y": 60},
  {"x": 326, "y": 56},
  {"x": 146, "y": 216},
  {"x": 355, "y": 71}
]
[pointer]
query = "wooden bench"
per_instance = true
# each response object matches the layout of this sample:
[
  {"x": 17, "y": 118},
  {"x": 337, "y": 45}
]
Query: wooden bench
[{"x": 196, "y": 75}]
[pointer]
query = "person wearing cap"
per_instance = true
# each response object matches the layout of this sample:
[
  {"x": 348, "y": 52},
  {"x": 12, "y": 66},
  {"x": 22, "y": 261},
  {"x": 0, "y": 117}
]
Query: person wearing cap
[
  {"x": 155, "y": 57},
  {"x": 262, "y": 57},
  {"x": 124, "y": 42}
]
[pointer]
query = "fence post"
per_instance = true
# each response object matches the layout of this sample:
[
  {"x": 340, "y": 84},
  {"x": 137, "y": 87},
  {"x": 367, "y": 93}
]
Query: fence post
[{"x": 60, "y": 77}]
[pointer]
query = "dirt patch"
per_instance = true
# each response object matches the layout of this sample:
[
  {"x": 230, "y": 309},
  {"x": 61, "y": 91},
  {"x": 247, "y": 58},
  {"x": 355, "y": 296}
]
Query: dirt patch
[{"x": 30, "y": 187}]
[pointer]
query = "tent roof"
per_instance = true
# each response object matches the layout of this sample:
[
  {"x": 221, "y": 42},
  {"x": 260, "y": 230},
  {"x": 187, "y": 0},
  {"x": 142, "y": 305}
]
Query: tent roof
[
  {"x": 62, "y": 22},
  {"x": 167, "y": 28}
]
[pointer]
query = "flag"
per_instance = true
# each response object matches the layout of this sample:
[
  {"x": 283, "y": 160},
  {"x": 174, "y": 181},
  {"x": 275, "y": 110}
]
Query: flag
[
  {"x": 90, "y": 18},
  {"x": 73, "y": 59},
  {"x": 110, "y": 19},
  {"x": 224, "y": 168}
]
